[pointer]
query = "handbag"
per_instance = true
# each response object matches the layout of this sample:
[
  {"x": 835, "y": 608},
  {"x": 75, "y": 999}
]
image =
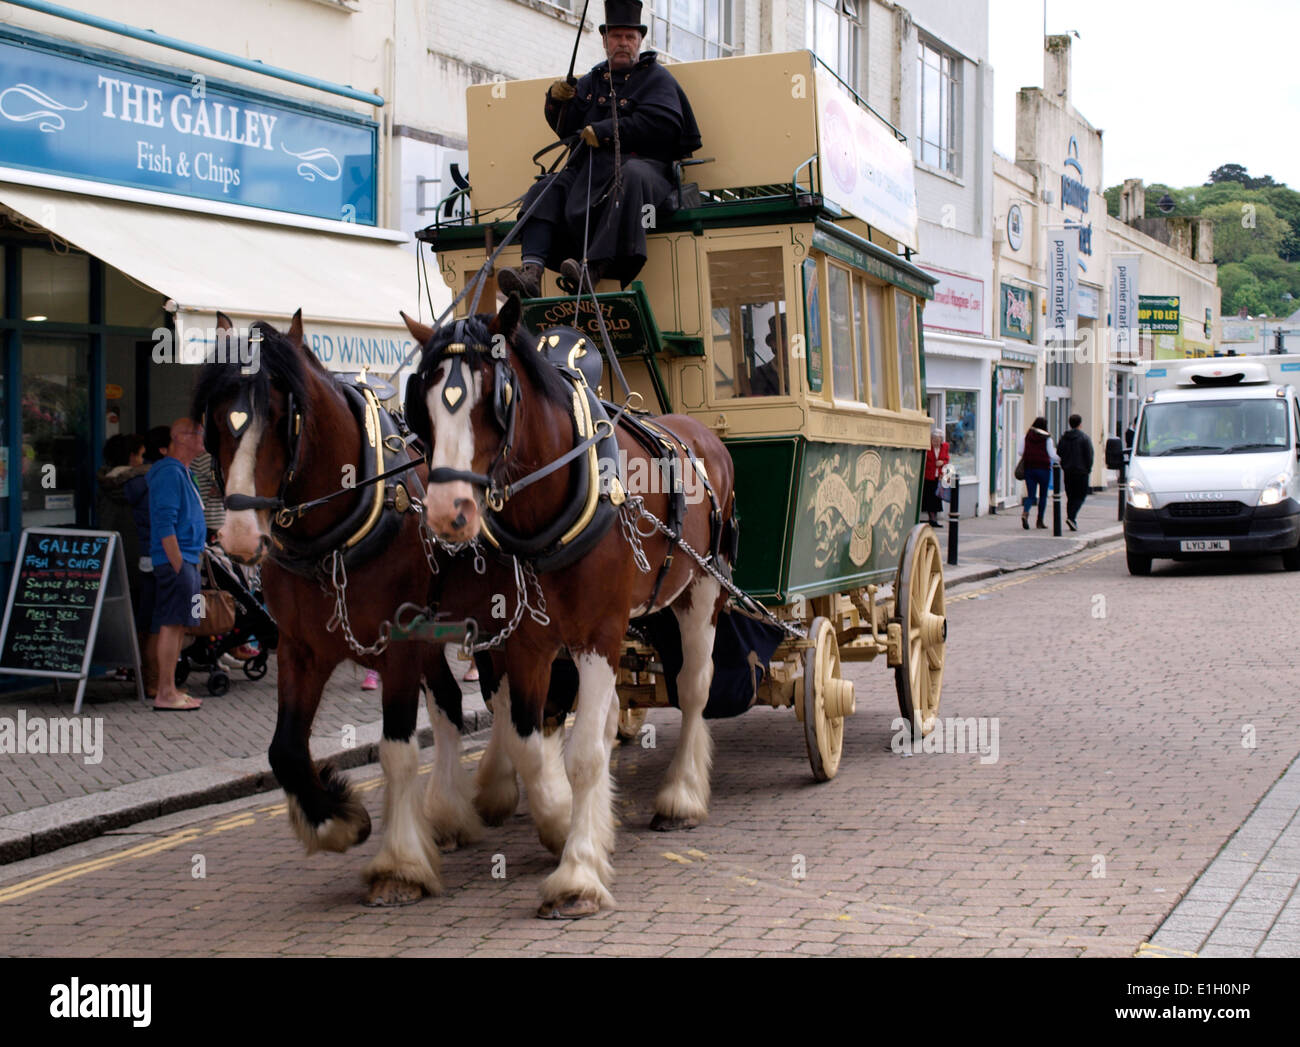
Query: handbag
[
  {"x": 218, "y": 615},
  {"x": 1020, "y": 468}
]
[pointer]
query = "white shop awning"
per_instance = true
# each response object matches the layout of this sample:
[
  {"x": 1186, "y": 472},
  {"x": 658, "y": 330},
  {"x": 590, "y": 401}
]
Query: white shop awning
[{"x": 349, "y": 287}]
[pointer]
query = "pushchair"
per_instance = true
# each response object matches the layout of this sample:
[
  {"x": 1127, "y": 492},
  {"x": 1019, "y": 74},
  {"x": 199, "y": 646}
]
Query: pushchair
[{"x": 253, "y": 624}]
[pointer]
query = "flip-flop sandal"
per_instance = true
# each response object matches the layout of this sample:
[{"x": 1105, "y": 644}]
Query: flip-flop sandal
[{"x": 186, "y": 703}]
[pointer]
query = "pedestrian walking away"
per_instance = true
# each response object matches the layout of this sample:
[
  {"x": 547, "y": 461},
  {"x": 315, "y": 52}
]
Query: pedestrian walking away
[
  {"x": 176, "y": 541},
  {"x": 936, "y": 458},
  {"x": 634, "y": 121},
  {"x": 1038, "y": 452},
  {"x": 1076, "y": 453}
]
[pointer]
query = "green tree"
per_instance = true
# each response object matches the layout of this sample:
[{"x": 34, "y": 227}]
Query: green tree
[{"x": 1245, "y": 228}]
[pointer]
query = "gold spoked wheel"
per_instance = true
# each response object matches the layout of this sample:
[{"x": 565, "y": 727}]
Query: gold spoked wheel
[
  {"x": 919, "y": 607},
  {"x": 827, "y": 700}
]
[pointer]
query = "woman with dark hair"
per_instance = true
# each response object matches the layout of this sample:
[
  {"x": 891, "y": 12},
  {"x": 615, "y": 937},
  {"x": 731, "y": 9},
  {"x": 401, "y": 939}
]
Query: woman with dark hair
[{"x": 1039, "y": 454}]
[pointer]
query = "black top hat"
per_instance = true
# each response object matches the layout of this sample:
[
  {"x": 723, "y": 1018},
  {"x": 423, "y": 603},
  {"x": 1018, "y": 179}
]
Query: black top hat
[{"x": 623, "y": 14}]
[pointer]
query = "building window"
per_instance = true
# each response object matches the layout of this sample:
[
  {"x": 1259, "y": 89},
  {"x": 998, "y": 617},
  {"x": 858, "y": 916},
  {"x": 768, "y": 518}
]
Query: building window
[
  {"x": 689, "y": 30},
  {"x": 833, "y": 31},
  {"x": 961, "y": 409},
  {"x": 940, "y": 109}
]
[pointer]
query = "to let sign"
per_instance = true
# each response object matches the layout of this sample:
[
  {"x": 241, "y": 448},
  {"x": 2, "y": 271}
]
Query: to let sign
[
  {"x": 98, "y": 117},
  {"x": 1159, "y": 313}
]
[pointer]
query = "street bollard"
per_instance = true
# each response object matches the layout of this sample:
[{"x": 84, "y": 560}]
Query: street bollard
[
  {"x": 954, "y": 516},
  {"x": 1056, "y": 501}
]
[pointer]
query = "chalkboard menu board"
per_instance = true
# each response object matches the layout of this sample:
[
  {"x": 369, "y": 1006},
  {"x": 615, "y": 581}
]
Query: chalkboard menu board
[{"x": 55, "y": 621}]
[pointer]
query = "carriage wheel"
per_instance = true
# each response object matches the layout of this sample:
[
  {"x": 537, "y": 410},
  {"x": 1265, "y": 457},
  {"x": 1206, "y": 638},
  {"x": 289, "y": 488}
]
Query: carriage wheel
[
  {"x": 919, "y": 607},
  {"x": 827, "y": 699},
  {"x": 629, "y": 725}
]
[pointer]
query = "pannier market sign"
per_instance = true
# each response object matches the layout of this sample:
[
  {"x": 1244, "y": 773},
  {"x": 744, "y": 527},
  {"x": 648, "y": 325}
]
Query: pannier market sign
[{"x": 98, "y": 117}]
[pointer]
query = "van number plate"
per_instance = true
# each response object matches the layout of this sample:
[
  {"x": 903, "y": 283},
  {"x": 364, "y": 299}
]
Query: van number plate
[{"x": 1220, "y": 546}]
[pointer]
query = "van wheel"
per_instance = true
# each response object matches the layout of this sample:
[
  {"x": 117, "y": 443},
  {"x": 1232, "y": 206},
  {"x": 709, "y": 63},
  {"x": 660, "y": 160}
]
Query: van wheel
[
  {"x": 1138, "y": 564},
  {"x": 1291, "y": 559}
]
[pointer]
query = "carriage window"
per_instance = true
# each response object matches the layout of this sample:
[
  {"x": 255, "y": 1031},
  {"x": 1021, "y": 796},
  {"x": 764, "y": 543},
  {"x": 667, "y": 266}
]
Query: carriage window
[
  {"x": 874, "y": 344},
  {"x": 813, "y": 322},
  {"x": 905, "y": 320},
  {"x": 838, "y": 300},
  {"x": 750, "y": 336}
]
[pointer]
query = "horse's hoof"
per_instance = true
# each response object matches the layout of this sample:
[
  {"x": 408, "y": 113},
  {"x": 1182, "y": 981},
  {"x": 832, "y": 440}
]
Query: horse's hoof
[
  {"x": 387, "y": 894},
  {"x": 666, "y": 823},
  {"x": 572, "y": 907}
]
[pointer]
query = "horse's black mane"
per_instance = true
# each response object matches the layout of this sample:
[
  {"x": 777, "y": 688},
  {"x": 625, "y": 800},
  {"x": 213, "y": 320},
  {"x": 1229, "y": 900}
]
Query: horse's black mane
[
  {"x": 540, "y": 372},
  {"x": 280, "y": 364}
]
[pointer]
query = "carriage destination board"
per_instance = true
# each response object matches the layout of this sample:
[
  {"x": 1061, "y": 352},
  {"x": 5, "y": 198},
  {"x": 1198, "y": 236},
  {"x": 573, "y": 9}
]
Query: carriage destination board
[{"x": 54, "y": 622}]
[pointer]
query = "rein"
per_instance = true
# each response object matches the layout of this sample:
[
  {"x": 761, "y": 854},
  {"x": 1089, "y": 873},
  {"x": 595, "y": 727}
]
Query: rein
[{"x": 286, "y": 514}]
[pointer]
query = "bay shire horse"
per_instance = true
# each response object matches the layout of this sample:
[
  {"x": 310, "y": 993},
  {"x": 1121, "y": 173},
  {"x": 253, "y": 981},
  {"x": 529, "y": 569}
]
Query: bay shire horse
[
  {"x": 290, "y": 432},
  {"x": 495, "y": 411}
]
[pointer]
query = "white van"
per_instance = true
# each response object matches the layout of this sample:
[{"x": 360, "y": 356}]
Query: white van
[{"x": 1213, "y": 467}]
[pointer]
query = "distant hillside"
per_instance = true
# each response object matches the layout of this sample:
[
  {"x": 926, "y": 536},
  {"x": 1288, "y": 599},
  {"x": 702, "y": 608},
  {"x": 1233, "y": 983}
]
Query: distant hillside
[{"x": 1256, "y": 235}]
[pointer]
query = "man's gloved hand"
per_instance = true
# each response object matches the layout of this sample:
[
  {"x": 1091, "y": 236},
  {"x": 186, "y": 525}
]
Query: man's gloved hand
[
  {"x": 590, "y": 137},
  {"x": 561, "y": 90}
]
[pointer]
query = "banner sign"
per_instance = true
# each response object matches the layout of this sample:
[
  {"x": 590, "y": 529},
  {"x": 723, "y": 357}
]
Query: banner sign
[
  {"x": 1240, "y": 331},
  {"x": 1062, "y": 285},
  {"x": 958, "y": 303},
  {"x": 865, "y": 169},
  {"x": 1124, "y": 303},
  {"x": 1017, "y": 313},
  {"x": 1159, "y": 313},
  {"x": 102, "y": 118}
]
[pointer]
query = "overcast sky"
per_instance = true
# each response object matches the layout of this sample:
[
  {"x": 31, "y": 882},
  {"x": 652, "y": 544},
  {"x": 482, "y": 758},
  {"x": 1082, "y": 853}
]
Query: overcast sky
[{"x": 1178, "y": 86}]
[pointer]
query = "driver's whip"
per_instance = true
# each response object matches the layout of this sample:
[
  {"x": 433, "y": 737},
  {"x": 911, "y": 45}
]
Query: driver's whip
[{"x": 582, "y": 22}]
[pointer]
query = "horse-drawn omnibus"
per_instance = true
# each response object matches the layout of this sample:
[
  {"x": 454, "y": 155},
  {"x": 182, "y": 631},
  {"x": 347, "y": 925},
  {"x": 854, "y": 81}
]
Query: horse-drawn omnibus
[{"x": 780, "y": 308}]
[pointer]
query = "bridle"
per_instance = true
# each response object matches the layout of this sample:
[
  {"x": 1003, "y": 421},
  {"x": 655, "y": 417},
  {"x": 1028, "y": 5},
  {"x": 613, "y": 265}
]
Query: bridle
[{"x": 505, "y": 403}]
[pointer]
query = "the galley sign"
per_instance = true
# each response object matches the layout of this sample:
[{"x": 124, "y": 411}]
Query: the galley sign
[{"x": 104, "y": 119}]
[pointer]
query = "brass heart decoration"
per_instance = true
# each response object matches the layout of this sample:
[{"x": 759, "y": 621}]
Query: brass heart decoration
[
  {"x": 452, "y": 396},
  {"x": 238, "y": 419}
]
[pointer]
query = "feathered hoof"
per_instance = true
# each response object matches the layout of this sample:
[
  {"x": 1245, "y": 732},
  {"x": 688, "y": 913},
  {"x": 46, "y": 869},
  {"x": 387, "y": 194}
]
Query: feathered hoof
[
  {"x": 572, "y": 907},
  {"x": 668, "y": 823},
  {"x": 349, "y": 826},
  {"x": 390, "y": 893},
  {"x": 494, "y": 809},
  {"x": 450, "y": 838}
]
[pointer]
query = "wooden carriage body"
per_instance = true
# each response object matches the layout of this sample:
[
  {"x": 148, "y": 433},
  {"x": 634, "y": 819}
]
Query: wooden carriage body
[{"x": 782, "y": 310}]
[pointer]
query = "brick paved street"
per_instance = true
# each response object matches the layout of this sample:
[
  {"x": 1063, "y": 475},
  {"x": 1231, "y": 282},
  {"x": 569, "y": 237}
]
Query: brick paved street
[{"x": 1120, "y": 703}]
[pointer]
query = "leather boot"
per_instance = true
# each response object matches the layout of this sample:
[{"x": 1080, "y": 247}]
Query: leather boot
[
  {"x": 571, "y": 274},
  {"x": 526, "y": 281}
]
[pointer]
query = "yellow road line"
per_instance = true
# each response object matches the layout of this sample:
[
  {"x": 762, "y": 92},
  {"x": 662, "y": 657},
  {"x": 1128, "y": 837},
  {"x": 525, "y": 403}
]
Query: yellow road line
[
  {"x": 72, "y": 872},
  {"x": 1029, "y": 576}
]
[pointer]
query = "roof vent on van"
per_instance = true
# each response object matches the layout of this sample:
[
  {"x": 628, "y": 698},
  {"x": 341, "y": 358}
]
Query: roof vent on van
[{"x": 1223, "y": 374}]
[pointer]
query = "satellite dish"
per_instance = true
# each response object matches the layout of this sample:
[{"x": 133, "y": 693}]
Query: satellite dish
[{"x": 1166, "y": 204}]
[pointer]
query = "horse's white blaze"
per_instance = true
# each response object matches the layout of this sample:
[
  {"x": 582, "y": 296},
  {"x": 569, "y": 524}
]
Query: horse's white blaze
[
  {"x": 407, "y": 852},
  {"x": 453, "y": 448},
  {"x": 540, "y": 762},
  {"x": 241, "y": 532},
  {"x": 585, "y": 868},
  {"x": 685, "y": 792},
  {"x": 498, "y": 792},
  {"x": 448, "y": 801}
]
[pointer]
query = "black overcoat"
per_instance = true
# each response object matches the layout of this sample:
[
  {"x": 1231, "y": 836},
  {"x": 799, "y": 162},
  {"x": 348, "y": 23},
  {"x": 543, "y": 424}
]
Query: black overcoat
[{"x": 655, "y": 127}]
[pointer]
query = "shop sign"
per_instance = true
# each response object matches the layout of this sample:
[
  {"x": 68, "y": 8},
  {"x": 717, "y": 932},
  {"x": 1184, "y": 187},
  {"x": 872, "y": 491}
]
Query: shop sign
[
  {"x": 958, "y": 303},
  {"x": 1062, "y": 286},
  {"x": 1125, "y": 271},
  {"x": 99, "y": 117},
  {"x": 1011, "y": 379},
  {"x": 1159, "y": 313},
  {"x": 1015, "y": 228},
  {"x": 1017, "y": 313},
  {"x": 1089, "y": 302},
  {"x": 865, "y": 169}
]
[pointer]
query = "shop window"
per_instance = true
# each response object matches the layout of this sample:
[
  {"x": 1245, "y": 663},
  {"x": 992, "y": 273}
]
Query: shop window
[
  {"x": 56, "y": 286},
  {"x": 844, "y": 383},
  {"x": 55, "y": 428},
  {"x": 750, "y": 337},
  {"x": 128, "y": 303},
  {"x": 960, "y": 415},
  {"x": 905, "y": 325}
]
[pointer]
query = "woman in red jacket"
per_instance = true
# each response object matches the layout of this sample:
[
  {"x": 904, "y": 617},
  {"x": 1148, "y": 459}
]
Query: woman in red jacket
[{"x": 935, "y": 459}]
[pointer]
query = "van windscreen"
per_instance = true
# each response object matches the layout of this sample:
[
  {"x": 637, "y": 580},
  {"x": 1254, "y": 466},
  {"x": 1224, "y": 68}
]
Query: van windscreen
[{"x": 1214, "y": 427}]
